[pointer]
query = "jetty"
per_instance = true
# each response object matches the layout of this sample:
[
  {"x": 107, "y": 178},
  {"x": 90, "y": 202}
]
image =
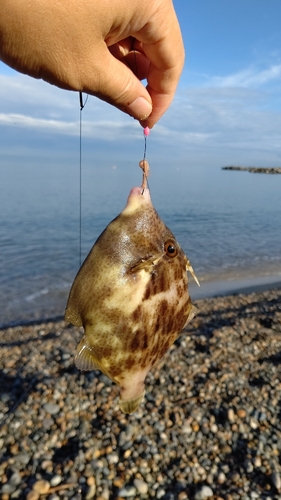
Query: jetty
[{"x": 256, "y": 170}]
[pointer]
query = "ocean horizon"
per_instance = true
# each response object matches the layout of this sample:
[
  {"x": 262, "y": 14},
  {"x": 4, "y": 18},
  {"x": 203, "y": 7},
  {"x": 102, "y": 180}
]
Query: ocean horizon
[{"x": 228, "y": 224}]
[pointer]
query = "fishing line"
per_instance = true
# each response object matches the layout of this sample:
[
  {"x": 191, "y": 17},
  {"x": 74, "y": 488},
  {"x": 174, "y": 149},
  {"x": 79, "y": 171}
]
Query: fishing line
[
  {"x": 79, "y": 461},
  {"x": 146, "y": 131},
  {"x": 82, "y": 105},
  {"x": 143, "y": 163}
]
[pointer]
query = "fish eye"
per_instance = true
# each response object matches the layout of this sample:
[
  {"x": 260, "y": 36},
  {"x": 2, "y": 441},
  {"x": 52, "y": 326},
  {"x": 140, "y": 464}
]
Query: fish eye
[{"x": 170, "y": 248}]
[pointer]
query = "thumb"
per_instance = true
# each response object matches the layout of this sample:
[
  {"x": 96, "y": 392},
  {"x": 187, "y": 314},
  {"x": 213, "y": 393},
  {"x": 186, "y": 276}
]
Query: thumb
[{"x": 117, "y": 85}]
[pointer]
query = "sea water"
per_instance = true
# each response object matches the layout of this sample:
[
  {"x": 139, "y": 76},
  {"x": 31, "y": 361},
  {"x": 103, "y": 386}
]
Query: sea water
[{"x": 228, "y": 224}]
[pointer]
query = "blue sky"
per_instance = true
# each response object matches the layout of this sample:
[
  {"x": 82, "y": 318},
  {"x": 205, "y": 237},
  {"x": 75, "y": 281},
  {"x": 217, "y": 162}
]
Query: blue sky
[{"x": 227, "y": 109}]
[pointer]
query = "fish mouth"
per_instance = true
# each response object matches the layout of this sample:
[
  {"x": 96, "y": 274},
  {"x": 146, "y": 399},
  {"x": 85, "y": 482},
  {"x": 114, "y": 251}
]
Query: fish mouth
[
  {"x": 138, "y": 197},
  {"x": 135, "y": 191}
]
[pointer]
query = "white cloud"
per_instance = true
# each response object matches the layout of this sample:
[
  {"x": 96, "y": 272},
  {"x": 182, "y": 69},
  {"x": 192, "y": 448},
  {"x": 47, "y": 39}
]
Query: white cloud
[
  {"x": 249, "y": 77},
  {"x": 100, "y": 129},
  {"x": 33, "y": 104},
  {"x": 37, "y": 123},
  {"x": 231, "y": 117}
]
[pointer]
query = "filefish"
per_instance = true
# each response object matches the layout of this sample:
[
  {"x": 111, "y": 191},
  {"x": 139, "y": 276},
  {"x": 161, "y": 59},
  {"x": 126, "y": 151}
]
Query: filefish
[{"x": 131, "y": 297}]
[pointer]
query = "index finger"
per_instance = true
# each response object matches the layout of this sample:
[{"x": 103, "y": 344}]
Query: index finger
[{"x": 165, "y": 51}]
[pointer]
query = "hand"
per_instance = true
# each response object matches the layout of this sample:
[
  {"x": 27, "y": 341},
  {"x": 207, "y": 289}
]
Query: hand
[{"x": 100, "y": 47}]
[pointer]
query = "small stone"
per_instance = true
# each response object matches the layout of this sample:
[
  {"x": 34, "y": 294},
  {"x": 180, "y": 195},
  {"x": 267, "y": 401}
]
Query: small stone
[
  {"x": 160, "y": 493},
  {"x": 8, "y": 488},
  {"x": 51, "y": 408},
  {"x": 204, "y": 492},
  {"x": 105, "y": 493},
  {"x": 15, "y": 478},
  {"x": 56, "y": 480},
  {"x": 127, "y": 491},
  {"x": 41, "y": 486},
  {"x": 254, "y": 494},
  {"x": 46, "y": 464},
  {"x": 47, "y": 423},
  {"x": 33, "y": 495},
  {"x": 249, "y": 466},
  {"x": 257, "y": 461},
  {"x": 91, "y": 493},
  {"x": 141, "y": 486},
  {"x": 112, "y": 458},
  {"x": 118, "y": 482},
  {"x": 221, "y": 478},
  {"x": 241, "y": 413},
  {"x": 23, "y": 458},
  {"x": 276, "y": 480},
  {"x": 253, "y": 423},
  {"x": 195, "y": 426},
  {"x": 182, "y": 496},
  {"x": 214, "y": 428},
  {"x": 231, "y": 415}
]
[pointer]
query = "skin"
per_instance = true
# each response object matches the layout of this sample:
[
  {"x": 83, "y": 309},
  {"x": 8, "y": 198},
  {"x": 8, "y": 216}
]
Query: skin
[
  {"x": 92, "y": 46},
  {"x": 131, "y": 297}
]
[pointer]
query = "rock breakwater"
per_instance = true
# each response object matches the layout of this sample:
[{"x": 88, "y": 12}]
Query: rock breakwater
[{"x": 256, "y": 170}]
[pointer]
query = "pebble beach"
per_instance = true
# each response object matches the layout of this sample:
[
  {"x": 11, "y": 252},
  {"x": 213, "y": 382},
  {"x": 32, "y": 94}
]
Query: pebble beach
[{"x": 209, "y": 427}]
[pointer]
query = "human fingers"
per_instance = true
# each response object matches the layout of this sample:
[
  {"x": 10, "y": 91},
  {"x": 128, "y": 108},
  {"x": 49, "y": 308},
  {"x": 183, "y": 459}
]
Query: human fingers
[
  {"x": 160, "y": 58},
  {"x": 117, "y": 83},
  {"x": 166, "y": 56}
]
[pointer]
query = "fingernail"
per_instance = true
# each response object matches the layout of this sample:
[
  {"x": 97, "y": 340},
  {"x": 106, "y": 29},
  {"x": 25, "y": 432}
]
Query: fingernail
[{"x": 140, "y": 108}]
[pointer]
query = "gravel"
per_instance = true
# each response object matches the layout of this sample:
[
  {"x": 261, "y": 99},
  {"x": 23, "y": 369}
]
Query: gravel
[{"x": 209, "y": 426}]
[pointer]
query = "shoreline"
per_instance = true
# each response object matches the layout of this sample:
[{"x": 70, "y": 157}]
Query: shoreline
[{"x": 234, "y": 284}]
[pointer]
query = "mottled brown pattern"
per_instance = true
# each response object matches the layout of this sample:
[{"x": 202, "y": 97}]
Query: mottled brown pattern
[
  {"x": 163, "y": 307},
  {"x": 107, "y": 351},
  {"x": 145, "y": 341},
  {"x": 148, "y": 291},
  {"x": 129, "y": 363},
  {"x": 137, "y": 314},
  {"x": 131, "y": 296},
  {"x": 115, "y": 370},
  {"x": 135, "y": 343}
]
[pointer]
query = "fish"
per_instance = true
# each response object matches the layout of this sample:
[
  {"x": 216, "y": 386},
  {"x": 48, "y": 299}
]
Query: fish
[{"x": 131, "y": 298}]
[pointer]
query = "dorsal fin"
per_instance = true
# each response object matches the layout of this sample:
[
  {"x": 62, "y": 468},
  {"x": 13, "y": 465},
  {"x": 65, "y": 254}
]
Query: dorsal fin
[{"x": 72, "y": 315}]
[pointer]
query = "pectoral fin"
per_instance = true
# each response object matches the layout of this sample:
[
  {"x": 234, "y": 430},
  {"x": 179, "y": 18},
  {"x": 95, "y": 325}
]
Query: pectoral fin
[{"x": 85, "y": 359}]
